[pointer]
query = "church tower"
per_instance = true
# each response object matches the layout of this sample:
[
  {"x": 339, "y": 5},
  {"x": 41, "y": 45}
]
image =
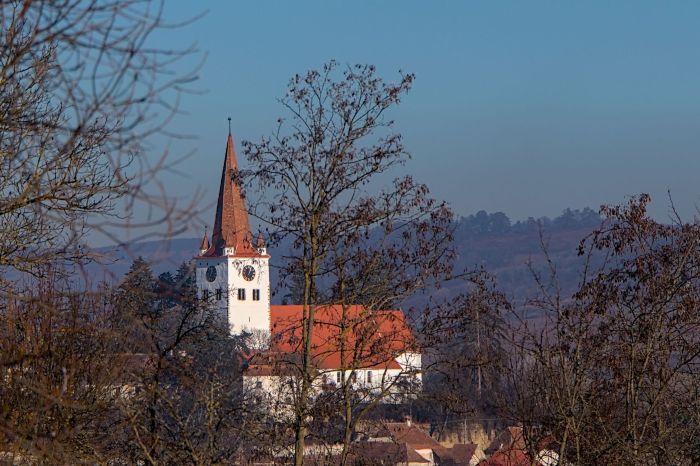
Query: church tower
[{"x": 232, "y": 271}]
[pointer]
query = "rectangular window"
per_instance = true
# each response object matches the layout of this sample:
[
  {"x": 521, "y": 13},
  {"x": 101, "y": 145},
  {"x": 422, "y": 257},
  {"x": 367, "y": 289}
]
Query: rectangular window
[
  {"x": 241, "y": 294},
  {"x": 337, "y": 377},
  {"x": 369, "y": 376},
  {"x": 256, "y": 295},
  {"x": 218, "y": 294},
  {"x": 205, "y": 295}
]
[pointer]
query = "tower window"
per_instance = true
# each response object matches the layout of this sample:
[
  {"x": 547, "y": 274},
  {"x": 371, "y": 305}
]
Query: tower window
[
  {"x": 218, "y": 294},
  {"x": 205, "y": 295},
  {"x": 241, "y": 294},
  {"x": 338, "y": 377},
  {"x": 256, "y": 295},
  {"x": 369, "y": 376}
]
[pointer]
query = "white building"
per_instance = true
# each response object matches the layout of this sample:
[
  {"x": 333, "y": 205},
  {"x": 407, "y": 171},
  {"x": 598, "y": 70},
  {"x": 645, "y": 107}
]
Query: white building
[{"x": 232, "y": 272}]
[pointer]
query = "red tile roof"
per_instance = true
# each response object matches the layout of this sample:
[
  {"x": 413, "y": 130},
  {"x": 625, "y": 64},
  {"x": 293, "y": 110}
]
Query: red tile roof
[
  {"x": 507, "y": 458},
  {"x": 404, "y": 440},
  {"x": 385, "y": 453},
  {"x": 371, "y": 339},
  {"x": 411, "y": 435},
  {"x": 205, "y": 243},
  {"x": 509, "y": 449},
  {"x": 509, "y": 439},
  {"x": 231, "y": 226},
  {"x": 459, "y": 455}
]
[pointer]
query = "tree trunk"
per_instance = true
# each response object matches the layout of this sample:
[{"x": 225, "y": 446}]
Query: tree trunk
[{"x": 307, "y": 334}]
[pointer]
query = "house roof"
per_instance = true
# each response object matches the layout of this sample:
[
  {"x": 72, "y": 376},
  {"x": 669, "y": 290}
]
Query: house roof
[
  {"x": 205, "y": 243},
  {"x": 350, "y": 337},
  {"x": 512, "y": 457},
  {"x": 363, "y": 338},
  {"x": 510, "y": 438},
  {"x": 388, "y": 453},
  {"x": 416, "y": 439},
  {"x": 509, "y": 448},
  {"x": 459, "y": 455},
  {"x": 410, "y": 434}
]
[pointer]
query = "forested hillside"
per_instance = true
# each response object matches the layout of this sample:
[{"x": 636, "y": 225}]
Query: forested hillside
[
  {"x": 512, "y": 251},
  {"x": 483, "y": 240}
]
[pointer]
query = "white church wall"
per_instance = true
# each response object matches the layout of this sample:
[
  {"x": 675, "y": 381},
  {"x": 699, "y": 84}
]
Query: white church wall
[
  {"x": 220, "y": 285},
  {"x": 411, "y": 363},
  {"x": 277, "y": 390},
  {"x": 250, "y": 310},
  {"x": 214, "y": 291}
]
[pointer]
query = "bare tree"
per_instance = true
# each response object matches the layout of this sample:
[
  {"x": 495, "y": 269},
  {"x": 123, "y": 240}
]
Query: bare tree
[
  {"x": 610, "y": 373},
  {"x": 353, "y": 243},
  {"x": 187, "y": 406},
  {"x": 464, "y": 348},
  {"x": 58, "y": 362},
  {"x": 80, "y": 90}
]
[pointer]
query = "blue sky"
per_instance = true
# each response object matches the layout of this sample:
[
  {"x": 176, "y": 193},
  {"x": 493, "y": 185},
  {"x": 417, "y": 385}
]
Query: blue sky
[{"x": 525, "y": 107}]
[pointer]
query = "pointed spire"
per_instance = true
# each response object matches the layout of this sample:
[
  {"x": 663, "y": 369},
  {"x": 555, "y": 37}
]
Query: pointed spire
[
  {"x": 205, "y": 241},
  {"x": 231, "y": 226}
]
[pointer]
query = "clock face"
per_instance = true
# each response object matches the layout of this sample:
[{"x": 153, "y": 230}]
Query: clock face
[
  {"x": 248, "y": 273},
  {"x": 211, "y": 273}
]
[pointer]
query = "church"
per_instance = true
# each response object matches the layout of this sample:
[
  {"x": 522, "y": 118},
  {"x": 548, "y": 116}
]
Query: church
[{"x": 233, "y": 275}]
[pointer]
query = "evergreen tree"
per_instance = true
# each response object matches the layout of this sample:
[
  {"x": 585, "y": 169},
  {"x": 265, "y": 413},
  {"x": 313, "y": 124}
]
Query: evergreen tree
[
  {"x": 185, "y": 284},
  {"x": 134, "y": 306},
  {"x": 136, "y": 292},
  {"x": 165, "y": 290}
]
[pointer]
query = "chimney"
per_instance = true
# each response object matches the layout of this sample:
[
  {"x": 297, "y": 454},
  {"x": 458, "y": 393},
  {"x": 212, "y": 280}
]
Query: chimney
[{"x": 407, "y": 419}]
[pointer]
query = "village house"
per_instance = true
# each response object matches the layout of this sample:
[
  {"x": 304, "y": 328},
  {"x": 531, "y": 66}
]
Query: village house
[
  {"x": 405, "y": 443},
  {"x": 388, "y": 444},
  {"x": 509, "y": 449}
]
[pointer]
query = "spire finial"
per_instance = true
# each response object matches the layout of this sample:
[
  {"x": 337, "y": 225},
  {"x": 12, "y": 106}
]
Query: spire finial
[
  {"x": 205, "y": 241},
  {"x": 229, "y": 125}
]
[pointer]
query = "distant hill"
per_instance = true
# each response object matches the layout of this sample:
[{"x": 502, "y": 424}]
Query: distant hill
[
  {"x": 504, "y": 249},
  {"x": 487, "y": 240},
  {"x": 164, "y": 255}
]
